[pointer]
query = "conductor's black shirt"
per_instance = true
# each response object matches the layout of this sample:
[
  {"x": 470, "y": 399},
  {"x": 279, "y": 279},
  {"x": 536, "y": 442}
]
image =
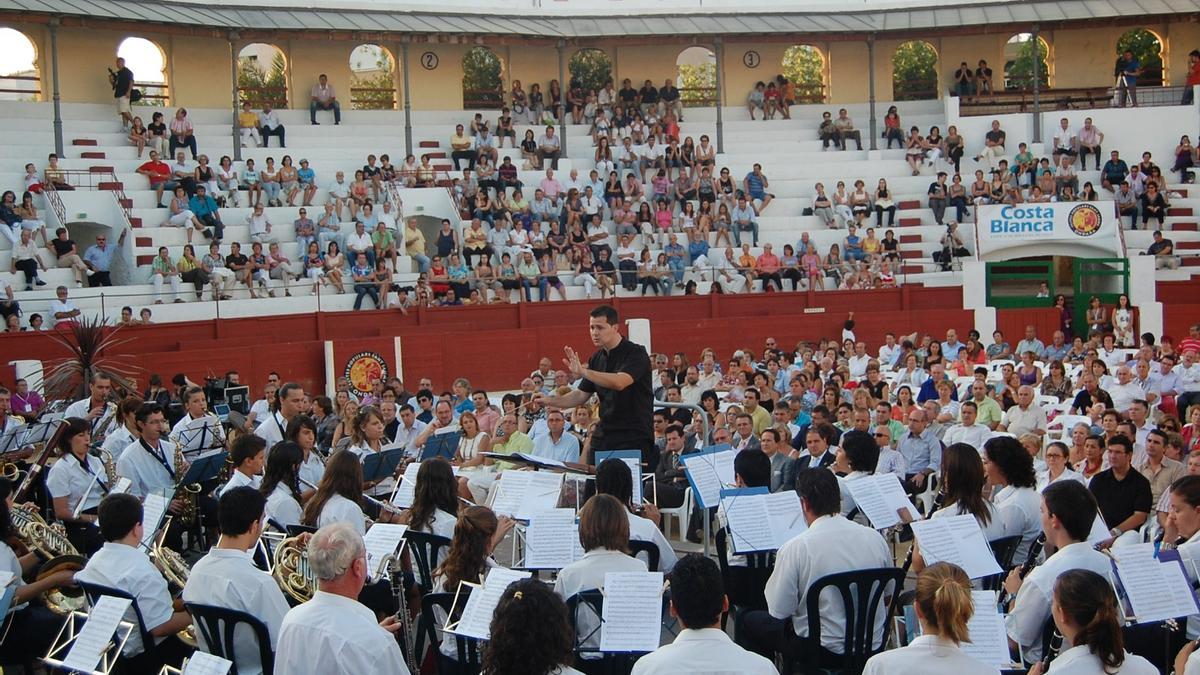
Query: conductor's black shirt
[{"x": 625, "y": 416}]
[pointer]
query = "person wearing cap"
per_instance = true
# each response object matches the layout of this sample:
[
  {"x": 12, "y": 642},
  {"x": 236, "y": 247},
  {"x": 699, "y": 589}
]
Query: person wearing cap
[{"x": 305, "y": 229}]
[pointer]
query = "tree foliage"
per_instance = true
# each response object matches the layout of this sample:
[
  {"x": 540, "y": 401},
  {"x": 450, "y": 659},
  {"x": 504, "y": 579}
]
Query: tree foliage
[
  {"x": 264, "y": 85},
  {"x": 591, "y": 67},
  {"x": 481, "y": 77},
  {"x": 697, "y": 84},
  {"x": 804, "y": 67},
  {"x": 1018, "y": 73},
  {"x": 1148, "y": 50},
  {"x": 380, "y": 78},
  {"x": 914, "y": 71}
]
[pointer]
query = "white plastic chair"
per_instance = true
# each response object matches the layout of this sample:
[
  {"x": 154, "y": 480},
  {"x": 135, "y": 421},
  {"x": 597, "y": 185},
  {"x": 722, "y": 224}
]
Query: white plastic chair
[
  {"x": 1060, "y": 427},
  {"x": 681, "y": 514}
]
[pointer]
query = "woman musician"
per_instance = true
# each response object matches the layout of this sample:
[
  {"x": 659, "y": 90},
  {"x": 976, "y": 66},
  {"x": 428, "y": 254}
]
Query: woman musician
[
  {"x": 78, "y": 477},
  {"x": 124, "y": 431},
  {"x": 368, "y": 437},
  {"x": 962, "y": 485},
  {"x": 281, "y": 484},
  {"x": 302, "y": 431},
  {"x": 435, "y": 500}
]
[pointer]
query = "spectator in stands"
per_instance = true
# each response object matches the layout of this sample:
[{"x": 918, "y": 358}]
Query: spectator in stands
[
  {"x": 550, "y": 148},
  {"x": 182, "y": 133},
  {"x": 157, "y": 172},
  {"x": 248, "y": 125},
  {"x": 270, "y": 125},
  {"x": 745, "y": 219},
  {"x": 323, "y": 97},
  {"x": 213, "y": 265},
  {"x": 25, "y": 258},
  {"x": 828, "y": 132},
  {"x": 937, "y": 197},
  {"x": 182, "y": 216},
  {"x": 191, "y": 271},
  {"x": 139, "y": 135},
  {"x": 1114, "y": 172},
  {"x": 964, "y": 81},
  {"x": 1153, "y": 205},
  {"x": 62, "y": 310},
  {"x": 884, "y": 202},
  {"x": 122, "y": 84},
  {"x": 1066, "y": 141},
  {"x": 1185, "y": 159},
  {"x": 953, "y": 247},
  {"x": 983, "y": 78},
  {"x": 993, "y": 150},
  {"x": 1163, "y": 251},
  {"x": 756, "y": 100},
  {"x": 279, "y": 266},
  {"x": 161, "y": 268},
  {"x": 1066, "y": 178},
  {"x": 755, "y": 185},
  {"x": 67, "y": 255},
  {"x": 1127, "y": 203},
  {"x": 98, "y": 258},
  {"x": 846, "y": 130},
  {"x": 365, "y": 283},
  {"x": 1127, "y": 70}
]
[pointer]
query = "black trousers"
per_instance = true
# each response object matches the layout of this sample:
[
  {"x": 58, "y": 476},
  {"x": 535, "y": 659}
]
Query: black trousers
[
  {"x": 762, "y": 633},
  {"x": 31, "y": 631},
  {"x": 267, "y": 133},
  {"x": 30, "y": 267},
  {"x": 99, "y": 278}
]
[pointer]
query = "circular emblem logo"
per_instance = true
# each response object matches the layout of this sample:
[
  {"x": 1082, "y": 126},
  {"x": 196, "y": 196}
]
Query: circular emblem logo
[
  {"x": 1084, "y": 220},
  {"x": 363, "y": 368},
  {"x": 751, "y": 59}
]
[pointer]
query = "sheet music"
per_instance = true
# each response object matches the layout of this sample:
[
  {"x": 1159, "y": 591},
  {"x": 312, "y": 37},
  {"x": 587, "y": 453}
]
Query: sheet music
[
  {"x": 476, "y": 618},
  {"x": 201, "y": 433},
  {"x": 632, "y": 619},
  {"x": 6, "y": 578},
  {"x": 381, "y": 540},
  {"x": 524, "y": 493},
  {"x": 97, "y": 633},
  {"x": 1156, "y": 590},
  {"x": 543, "y": 461},
  {"x": 957, "y": 540},
  {"x": 6, "y": 599},
  {"x": 153, "y": 509},
  {"x": 634, "y": 462},
  {"x": 879, "y": 497},
  {"x": 708, "y": 472},
  {"x": 1099, "y": 531},
  {"x": 203, "y": 663},
  {"x": 787, "y": 517},
  {"x": 989, "y": 641},
  {"x": 552, "y": 540},
  {"x": 749, "y": 522},
  {"x": 121, "y": 487},
  {"x": 406, "y": 488}
]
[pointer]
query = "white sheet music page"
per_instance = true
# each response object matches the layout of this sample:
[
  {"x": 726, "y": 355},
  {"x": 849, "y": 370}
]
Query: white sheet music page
[
  {"x": 632, "y": 620},
  {"x": 541, "y": 493},
  {"x": 381, "y": 540},
  {"x": 203, "y": 663},
  {"x": 989, "y": 641},
  {"x": 96, "y": 634},
  {"x": 1157, "y": 590},
  {"x": 879, "y": 497},
  {"x": 749, "y": 523},
  {"x": 709, "y": 472},
  {"x": 552, "y": 540},
  {"x": 121, "y": 487},
  {"x": 153, "y": 508},
  {"x": 1099, "y": 531},
  {"x": 476, "y": 618},
  {"x": 957, "y": 540},
  {"x": 510, "y": 491},
  {"x": 406, "y": 488},
  {"x": 787, "y": 518}
]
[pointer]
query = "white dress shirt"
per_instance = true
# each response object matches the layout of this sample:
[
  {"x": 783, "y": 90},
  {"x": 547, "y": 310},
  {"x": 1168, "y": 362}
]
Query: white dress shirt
[
  {"x": 147, "y": 470},
  {"x": 239, "y": 479},
  {"x": 312, "y": 469},
  {"x": 1031, "y": 609},
  {"x": 334, "y": 635},
  {"x": 1081, "y": 661},
  {"x": 283, "y": 507},
  {"x": 704, "y": 651},
  {"x": 127, "y": 568},
  {"x": 1021, "y": 511},
  {"x": 975, "y": 435},
  {"x": 9, "y": 562},
  {"x": 341, "y": 510},
  {"x": 440, "y": 524},
  {"x": 1043, "y": 479},
  {"x": 271, "y": 429},
  {"x": 68, "y": 478},
  {"x": 228, "y": 578},
  {"x": 1018, "y": 421},
  {"x": 406, "y": 435},
  {"x": 928, "y": 655},
  {"x": 81, "y": 409},
  {"x": 830, "y": 545},
  {"x": 587, "y": 574},
  {"x": 995, "y": 528},
  {"x": 641, "y": 529},
  {"x": 116, "y": 441}
]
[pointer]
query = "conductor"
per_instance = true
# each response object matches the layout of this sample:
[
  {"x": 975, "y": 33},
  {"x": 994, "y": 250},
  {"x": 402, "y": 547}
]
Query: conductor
[{"x": 619, "y": 374}]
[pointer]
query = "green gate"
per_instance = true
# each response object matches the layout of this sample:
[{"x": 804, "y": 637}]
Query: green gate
[
  {"x": 1014, "y": 283},
  {"x": 1104, "y": 278}
]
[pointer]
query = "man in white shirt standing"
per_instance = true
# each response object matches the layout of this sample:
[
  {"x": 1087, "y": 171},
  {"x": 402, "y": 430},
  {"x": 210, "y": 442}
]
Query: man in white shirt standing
[
  {"x": 274, "y": 428},
  {"x": 698, "y": 600},
  {"x": 226, "y": 577},
  {"x": 830, "y": 545},
  {"x": 333, "y": 633}
]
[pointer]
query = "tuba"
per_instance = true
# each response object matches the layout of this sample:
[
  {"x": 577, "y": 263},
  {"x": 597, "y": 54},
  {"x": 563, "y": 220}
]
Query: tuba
[
  {"x": 50, "y": 542},
  {"x": 291, "y": 571}
]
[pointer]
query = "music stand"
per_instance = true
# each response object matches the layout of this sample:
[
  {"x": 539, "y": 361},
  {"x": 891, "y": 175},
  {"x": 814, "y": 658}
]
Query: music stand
[
  {"x": 10, "y": 441},
  {"x": 201, "y": 434},
  {"x": 381, "y": 465},
  {"x": 42, "y": 432},
  {"x": 66, "y": 638},
  {"x": 441, "y": 445},
  {"x": 204, "y": 468}
]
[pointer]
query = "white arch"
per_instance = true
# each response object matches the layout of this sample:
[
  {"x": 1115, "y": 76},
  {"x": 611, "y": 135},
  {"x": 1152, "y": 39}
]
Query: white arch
[
  {"x": 145, "y": 58},
  {"x": 18, "y": 59}
]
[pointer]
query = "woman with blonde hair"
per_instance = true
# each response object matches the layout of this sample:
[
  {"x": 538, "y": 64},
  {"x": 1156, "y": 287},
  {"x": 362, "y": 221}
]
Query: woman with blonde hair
[{"x": 943, "y": 606}]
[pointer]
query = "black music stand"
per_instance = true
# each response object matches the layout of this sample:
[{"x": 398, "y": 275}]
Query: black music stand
[
  {"x": 11, "y": 440},
  {"x": 382, "y": 465},
  {"x": 204, "y": 468},
  {"x": 441, "y": 445}
]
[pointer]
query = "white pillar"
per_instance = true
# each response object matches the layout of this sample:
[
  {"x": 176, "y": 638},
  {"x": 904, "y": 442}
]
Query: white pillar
[
  {"x": 638, "y": 331},
  {"x": 1143, "y": 294},
  {"x": 330, "y": 371},
  {"x": 396, "y": 354},
  {"x": 975, "y": 298}
]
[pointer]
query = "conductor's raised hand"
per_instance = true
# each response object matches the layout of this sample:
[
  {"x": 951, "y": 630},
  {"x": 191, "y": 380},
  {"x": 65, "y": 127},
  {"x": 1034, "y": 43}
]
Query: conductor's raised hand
[{"x": 572, "y": 363}]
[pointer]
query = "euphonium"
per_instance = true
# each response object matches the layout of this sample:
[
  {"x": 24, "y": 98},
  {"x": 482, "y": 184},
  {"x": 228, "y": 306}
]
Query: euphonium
[
  {"x": 188, "y": 493},
  {"x": 50, "y": 542},
  {"x": 175, "y": 570},
  {"x": 291, "y": 570}
]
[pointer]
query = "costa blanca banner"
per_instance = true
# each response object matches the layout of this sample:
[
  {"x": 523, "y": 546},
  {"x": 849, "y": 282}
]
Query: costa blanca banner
[{"x": 1048, "y": 229}]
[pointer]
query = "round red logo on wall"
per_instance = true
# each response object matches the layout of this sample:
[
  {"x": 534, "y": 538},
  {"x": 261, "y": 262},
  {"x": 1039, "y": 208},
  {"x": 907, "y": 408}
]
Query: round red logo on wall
[
  {"x": 363, "y": 368},
  {"x": 1085, "y": 220}
]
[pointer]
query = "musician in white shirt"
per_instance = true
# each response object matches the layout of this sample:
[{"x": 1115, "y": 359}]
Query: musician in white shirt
[
  {"x": 830, "y": 545},
  {"x": 122, "y": 565},
  {"x": 280, "y": 485},
  {"x": 698, "y": 600},
  {"x": 77, "y": 482},
  {"x": 302, "y": 431},
  {"x": 339, "y": 495},
  {"x": 95, "y": 408},
  {"x": 531, "y": 633},
  {"x": 1067, "y": 513},
  {"x": 273, "y": 428},
  {"x": 123, "y": 431},
  {"x": 149, "y": 463},
  {"x": 247, "y": 459},
  {"x": 201, "y": 439},
  {"x": 334, "y": 634},
  {"x": 613, "y": 477},
  {"x": 434, "y": 509},
  {"x": 226, "y": 577},
  {"x": 1009, "y": 466},
  {"x": 943, "y": 606}
]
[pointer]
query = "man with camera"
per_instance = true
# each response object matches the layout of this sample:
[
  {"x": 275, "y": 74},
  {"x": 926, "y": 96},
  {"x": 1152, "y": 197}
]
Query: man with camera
[{"x": 122, "y": 84}]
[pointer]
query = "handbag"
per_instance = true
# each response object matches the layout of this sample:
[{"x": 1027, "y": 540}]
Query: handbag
[{"x": 135, "y": 95}]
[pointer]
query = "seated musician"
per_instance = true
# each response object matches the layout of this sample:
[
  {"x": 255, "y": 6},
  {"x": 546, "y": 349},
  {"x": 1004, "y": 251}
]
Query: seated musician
[
  {"x": 123, "y": 565},
  {"x": 247, "y": 458},
  {"x": 333, "y": 634},
  {"x": 530, "y": 633},
  {"x": 962, "y": 493},
  {"x": 197, "y": 441},
  {"x": 367, "y": 438},
  {"x": 302, "y": 431},
  {"x": 149, "y": 464},
  {"x": 751, "y": 468},
  {"x": 831, "y": 544},
  {"x": 78, "y": 477},
  {"x": 280, "y": 484},
  {"x": 613, "y": 477},
  {"x": 435, "y": 503},
  {"x": 339, "y": 495},
  {"x": 856, "y": 457},
  {"x": 123, "y": 431},
  {"x": 226, "y": 576},
  {"x": 273, "y": 428},
  {"x": 1086, "y": 614},
  {"x": 31, "y": 625},
  {"x": 1009, "y": 465},
  {"x": 476, "y": 535},
  {"x": 1068, "y": 511}
]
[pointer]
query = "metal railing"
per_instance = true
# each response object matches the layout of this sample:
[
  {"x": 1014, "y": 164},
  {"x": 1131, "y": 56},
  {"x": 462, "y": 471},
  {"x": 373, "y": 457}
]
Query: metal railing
[
  {"x": 153, "y": 94},
  {"x": 16, "y": 89},
  {"x": 258, "y": 96},
  {"x": 87, "y": 179},
  {"x": 486, "y": 99},
  {"x": 698, "y": 97},
  {"x": 373, "y": 98},
  {"x": 55, "y": 201},
  {"x": 915, "y": 90}
]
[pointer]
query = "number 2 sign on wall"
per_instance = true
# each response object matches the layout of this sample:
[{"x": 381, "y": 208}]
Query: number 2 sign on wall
[{"x": 429, "y": 61}]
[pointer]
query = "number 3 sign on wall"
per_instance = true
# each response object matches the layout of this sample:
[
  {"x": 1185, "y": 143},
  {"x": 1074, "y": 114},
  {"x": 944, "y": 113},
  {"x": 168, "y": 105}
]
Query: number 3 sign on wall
[
  {"x": 751, "y": 59},
  {"x": 429, "y": 61}
]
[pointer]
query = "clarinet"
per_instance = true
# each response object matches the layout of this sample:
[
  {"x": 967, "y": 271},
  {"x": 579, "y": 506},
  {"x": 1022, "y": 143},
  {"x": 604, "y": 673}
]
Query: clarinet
[
  {"x": 1035, "y": 549},
  {"x": 395, "y": 573},
  {"x": 1056, "y": 642}
]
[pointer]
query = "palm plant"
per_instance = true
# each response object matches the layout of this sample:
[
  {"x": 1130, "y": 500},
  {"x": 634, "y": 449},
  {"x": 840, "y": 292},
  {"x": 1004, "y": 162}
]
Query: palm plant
[{"x": 93, "y": 348}]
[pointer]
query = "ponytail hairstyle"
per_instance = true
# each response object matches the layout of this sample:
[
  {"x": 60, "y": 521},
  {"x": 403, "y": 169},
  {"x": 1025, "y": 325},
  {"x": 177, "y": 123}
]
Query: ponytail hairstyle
[
  {"x": 343, "y": 476},
  {"x": 436, "y": 489},
  {"x": 467, "y": 558},
  {"x": 944, "y": 597},
  {"x": 531, "y": 632},
  {"x": 1087, "y": 600}
]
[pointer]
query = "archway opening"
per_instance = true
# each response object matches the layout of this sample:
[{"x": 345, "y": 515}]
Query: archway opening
[
  {"x": 804, "y": 67},
  {"x": 372, "y": 78},
  {"x": 19, "y": 77},
  {"x": 1147, "y": 49},
  {"x": 262, "y": 76},
  {"x": 483, "y": 81},
  {"x": 914, "y": 71},
  {"x": 149, "y": 65},
  {"x": 591, "y": 68},
  {"x": 1019, "y": 62},
  {"x": 696, "y": 76}
]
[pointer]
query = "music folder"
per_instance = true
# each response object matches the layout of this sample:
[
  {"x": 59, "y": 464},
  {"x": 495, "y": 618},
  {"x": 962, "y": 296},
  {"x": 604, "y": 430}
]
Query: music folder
[
  {"x": 238, "y": 399},
  {"x": 441, "y": 445},
  {"x": 381, "y": 465},
  {"x": 205, "y": 467}
]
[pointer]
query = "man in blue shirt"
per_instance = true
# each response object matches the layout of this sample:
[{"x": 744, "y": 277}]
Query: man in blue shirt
[
  {"x": 98, "y": 258},
  {"x": 951, "y": 347},
  {"x": 1114, "y": 172},
  {"x": 756, "y": 185},
  {"x": 557, "y": 444},
  {"x": 921, "y": 450},
  {"x": 204, "y": 208},
  {"x": 744, "y": 219},
  {"x": 937, "y": 373},
  {"x": 1128, "y": 68}
]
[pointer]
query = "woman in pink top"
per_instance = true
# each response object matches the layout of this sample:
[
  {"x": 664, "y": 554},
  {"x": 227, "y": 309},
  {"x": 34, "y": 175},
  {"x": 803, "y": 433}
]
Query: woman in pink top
[
  {"x": 663, "y": 216},
  {"x": 811, "y": 262},
  {"x": 768, "y": 270},
  {"x": 182, "y": 133}
]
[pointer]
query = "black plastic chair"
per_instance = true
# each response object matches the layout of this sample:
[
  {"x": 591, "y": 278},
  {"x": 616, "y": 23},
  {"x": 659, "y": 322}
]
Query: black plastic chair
[
  {"x": 864, "y": 595},
  {"x": 217, "y": 625},
  {"x": 744, "y": 585},
  {"x": 637, "y": 548},
  {"x": 591, "y": 603},
  {"x": 95, "y": 591},
  {"x": 296, "y": 530},
  {"x": 425, "y": 550},
  {"x": 428, "y": 626},
  {"x": 1003, "y": 549}
]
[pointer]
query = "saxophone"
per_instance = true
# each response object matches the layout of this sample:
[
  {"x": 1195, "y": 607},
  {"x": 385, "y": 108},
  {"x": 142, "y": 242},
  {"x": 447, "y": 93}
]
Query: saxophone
[
  {"x": 110, "y": 414},
  {"x": 188, "y": 493},
  {"x": 175, "y": 570}
]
